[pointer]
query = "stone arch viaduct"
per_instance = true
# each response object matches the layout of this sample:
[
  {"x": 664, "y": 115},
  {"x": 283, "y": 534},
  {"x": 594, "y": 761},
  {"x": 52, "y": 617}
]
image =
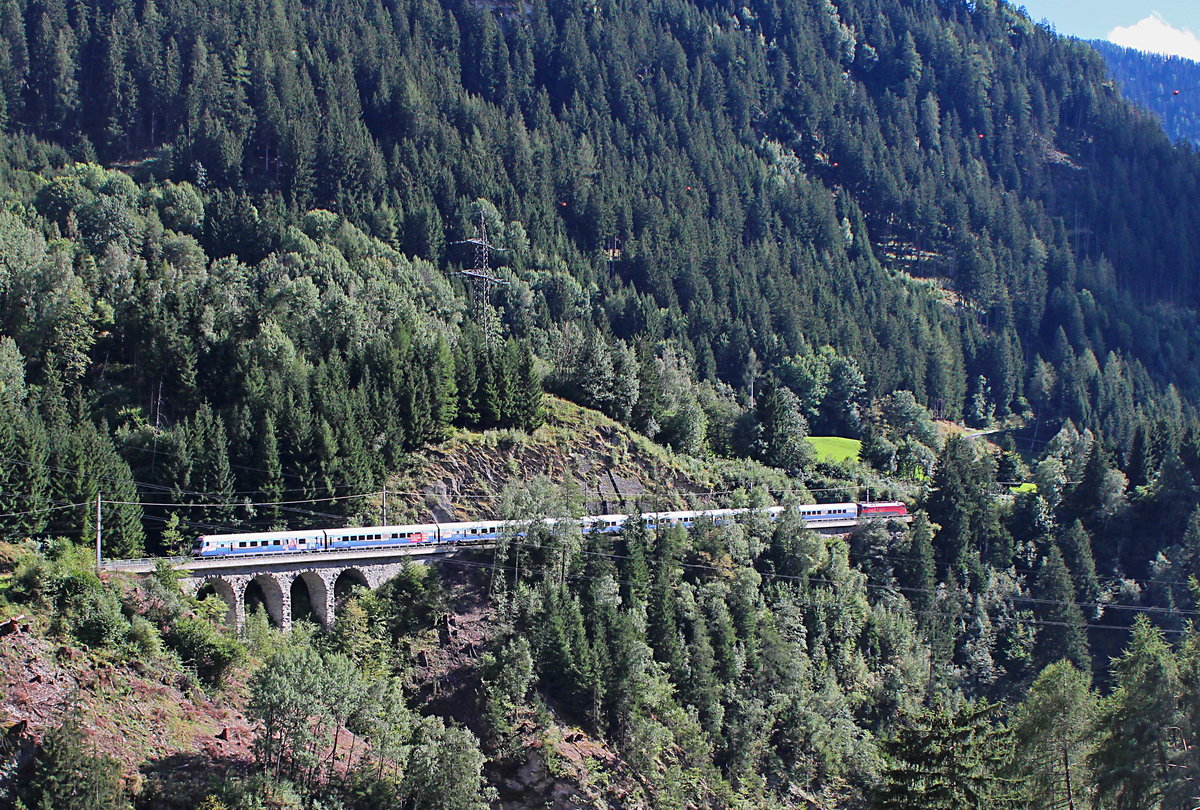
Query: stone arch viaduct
[
  {"x": 289, "y": 586},
  {"x": 309, "y": 585}
]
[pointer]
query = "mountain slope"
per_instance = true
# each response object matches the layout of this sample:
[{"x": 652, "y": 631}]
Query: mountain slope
[
  {"x": 726, "y": 178},
  {"x": 1167, "y": 86}
]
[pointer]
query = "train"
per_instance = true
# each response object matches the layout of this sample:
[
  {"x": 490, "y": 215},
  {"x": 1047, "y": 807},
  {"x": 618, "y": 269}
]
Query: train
[{"x": 485, "y": 531}]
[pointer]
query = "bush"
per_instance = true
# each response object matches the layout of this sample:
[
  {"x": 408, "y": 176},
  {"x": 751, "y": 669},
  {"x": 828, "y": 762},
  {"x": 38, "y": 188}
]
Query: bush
[
  {"x": 144, "y": 638},
  {"x": 94, "y": 616},
  {"x": 205, "y": 648}
]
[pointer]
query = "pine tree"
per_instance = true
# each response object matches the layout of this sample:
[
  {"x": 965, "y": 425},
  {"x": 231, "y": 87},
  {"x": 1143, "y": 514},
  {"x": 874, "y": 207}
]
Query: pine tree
[
  {"x": 955, "y": 502},
  {"x": 1062, "y": 636},
  {"x": 782, "y": 432},
  {"x": 270, "y": 479},
  {"x": 488, "y": 403},
  {"x": 443, "y": 390},
  {"x": 466, "y": 369},
  {"x": 71, "y": 774},
  {"x": 920, "y": 569},
  {"x": 1076, "y": 547},
  {"x": 1052, "y": 736},
  {"x": 1133, "y": 755},
  {"x": 529, "y": 413},
  {"x": 1139, "y": 461},
  {"x": 941, "y": 759}
]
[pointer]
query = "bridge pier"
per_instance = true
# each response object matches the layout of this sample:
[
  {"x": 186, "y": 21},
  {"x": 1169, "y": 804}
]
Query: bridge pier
[{"x": 310, "y": 588}]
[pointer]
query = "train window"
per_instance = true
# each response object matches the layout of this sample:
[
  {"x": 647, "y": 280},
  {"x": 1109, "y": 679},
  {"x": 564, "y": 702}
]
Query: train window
[{"x": 242, "y": 544}]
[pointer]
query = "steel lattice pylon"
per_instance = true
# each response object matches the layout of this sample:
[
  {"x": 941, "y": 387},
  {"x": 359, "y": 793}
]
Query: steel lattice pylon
[{"x": 482, "y": 281}]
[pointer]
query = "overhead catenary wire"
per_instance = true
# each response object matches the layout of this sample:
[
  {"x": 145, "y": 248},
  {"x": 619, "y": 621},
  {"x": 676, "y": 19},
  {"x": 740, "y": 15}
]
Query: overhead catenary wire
[
  {"x": 47, "y": 509},
  {"x": 232, "y": 504},
  {"x": 1020, "y": 569},
  {"x": 822, "y": 603},
  {"x": 896, "y": 588},
  {"x": 245, "y": 504},
  {"x": 214, "y": 497}
]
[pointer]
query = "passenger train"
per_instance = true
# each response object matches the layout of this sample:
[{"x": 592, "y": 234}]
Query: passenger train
[{"x": 485, "y": 531}]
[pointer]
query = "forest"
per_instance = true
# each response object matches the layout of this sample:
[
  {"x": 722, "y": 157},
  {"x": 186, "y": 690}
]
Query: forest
[
  {"x": 1164, "y": 85},
  {"x": 232, "y": 239}
]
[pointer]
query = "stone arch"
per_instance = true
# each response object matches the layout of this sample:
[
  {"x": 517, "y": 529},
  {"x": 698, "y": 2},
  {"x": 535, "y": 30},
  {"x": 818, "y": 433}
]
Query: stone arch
[
  {"x": 264, "y": 590},
  {"x": 347, "y": 581},
  {"x": 221, "y": 587},
  {"x": 310, "y": 598}
]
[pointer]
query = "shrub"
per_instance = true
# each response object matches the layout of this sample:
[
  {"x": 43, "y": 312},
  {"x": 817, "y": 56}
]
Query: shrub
[{"x": 202, "y": 646}]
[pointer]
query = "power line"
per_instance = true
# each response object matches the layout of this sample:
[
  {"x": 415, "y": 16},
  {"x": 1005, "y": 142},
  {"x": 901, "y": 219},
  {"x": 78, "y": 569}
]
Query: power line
[
  {"x": 1020, "y": 569},
  {"x": 46, "y": 509},
  {"x": 247, "y": 503},
  {"x": 806, "y": 599},
  {"x": 893, "y": 588},
  {"x": 868, "y": 585}
]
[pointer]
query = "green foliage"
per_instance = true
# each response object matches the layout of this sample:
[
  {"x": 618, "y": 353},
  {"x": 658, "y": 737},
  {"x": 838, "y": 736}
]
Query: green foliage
[
  {"x": 721, "y": 226},
  {"x": 1062, "y": 636},
  {"x": 507, "y": 678},
  {"x": 1053, "y": 731},
  {"x": 445, "y": 769},
  {"x": 203, "y": 646},
  {"x": 305, "y": 700},
  {"x": 1132, "y": 758},
  {"x": 413, "y": 600},
  {"x": 947, "y": 759},
  {"x": 71, "y": 774},
  {"x": 780, "y": 431}
]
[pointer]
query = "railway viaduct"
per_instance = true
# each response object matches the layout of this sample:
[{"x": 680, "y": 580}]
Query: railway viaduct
[
  {"x": 308, "y": 585},
  {"x": 288, "y": 586}
]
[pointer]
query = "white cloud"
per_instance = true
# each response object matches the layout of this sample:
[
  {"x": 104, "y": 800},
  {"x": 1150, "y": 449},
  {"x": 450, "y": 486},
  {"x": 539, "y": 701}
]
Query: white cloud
[{"x": 1156, "y": 35}]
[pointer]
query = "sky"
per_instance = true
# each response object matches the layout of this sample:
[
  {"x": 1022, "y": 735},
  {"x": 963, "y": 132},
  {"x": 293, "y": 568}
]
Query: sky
[{"x": 1162, "y": 26}]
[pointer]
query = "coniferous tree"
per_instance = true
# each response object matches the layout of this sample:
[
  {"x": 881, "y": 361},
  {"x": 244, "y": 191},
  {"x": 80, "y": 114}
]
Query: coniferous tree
[
  {"x": 71, "y": 774},
  {"x": 955, "y": 502},
  {"x": 1076, "y": 547},
  {"x": 528, "y": 411},
  {"x": 947, "y": 759},
  {"x": 1052, "y": 736},
  {"x": 1133, "y": 755},
  {"x": 920, "y": 570},
  {"x": 781, "y": 434},
  {"x": 1062, "y": 635}
]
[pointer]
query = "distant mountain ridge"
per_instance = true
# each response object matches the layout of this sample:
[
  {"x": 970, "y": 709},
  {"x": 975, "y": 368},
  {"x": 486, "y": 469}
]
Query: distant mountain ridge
[{"x": 1168, "y": 86}]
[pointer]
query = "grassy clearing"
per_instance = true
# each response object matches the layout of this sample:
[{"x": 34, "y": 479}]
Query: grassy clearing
[
  {"x": 1028, "y": 486},
  {"x": 836, "y": 448}
]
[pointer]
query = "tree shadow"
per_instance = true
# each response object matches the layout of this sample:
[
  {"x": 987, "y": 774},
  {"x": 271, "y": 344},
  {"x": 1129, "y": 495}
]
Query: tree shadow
[{"x": 181, "y": 781}]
